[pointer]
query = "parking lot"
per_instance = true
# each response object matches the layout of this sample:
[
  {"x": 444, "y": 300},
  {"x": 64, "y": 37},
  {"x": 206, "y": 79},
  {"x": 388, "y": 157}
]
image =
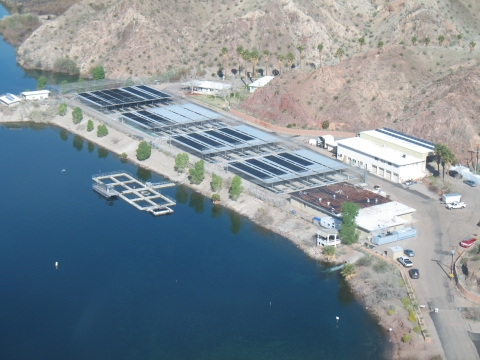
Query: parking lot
[{"x": 439, "y": 232}]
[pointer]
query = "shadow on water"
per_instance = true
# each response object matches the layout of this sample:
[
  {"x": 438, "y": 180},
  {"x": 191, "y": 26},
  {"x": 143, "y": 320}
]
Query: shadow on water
[
  {"x": 197, "y": 202},
  {"x": 235, "y": 222},
  {"x": 181, "y": 194},
  {"x": 345, "y": 294},
  {"x": 78, "y": 143},
  {"x": 217, "y": 211},
  {"x": 26, "y": 125},
  {"x": 102, "y": 153},
  {"x": 144, "y": 174},
  {"x": 63, "y": 134},
  {"x": 90, "y": 147}
]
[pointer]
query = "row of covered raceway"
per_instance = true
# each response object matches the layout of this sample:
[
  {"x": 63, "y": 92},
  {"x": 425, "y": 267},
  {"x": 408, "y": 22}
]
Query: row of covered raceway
[{"x": 260, "y": 157}]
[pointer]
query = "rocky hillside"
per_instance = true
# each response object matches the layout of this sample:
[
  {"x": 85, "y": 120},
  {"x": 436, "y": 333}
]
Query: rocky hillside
[{"x": 427, "y": 86}]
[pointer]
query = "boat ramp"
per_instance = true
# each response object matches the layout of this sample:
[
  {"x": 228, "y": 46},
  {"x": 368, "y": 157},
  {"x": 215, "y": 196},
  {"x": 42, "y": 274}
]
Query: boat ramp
[{"x": 142, "y": 195}]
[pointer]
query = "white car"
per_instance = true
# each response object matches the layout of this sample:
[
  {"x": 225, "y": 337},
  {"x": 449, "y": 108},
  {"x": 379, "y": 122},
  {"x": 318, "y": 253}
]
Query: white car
[
  {"x": 456, "y": 205},
  {"x": 405, "y": 261}
]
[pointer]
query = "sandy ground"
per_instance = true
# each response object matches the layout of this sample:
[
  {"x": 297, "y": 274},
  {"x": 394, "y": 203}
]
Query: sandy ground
[{"x": 296, "y": 227}]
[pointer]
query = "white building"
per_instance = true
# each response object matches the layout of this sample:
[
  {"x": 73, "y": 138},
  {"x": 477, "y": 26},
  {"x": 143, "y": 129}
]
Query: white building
[
  {"x": 9, "y": 99},
  {"x": 35, "y": 95},
  {"x": 327, "y": 142},
  {"x": 207, "y": 87},
  {"x": 395, "y": 140},
  {"x": 380, "y": 160},
  {"x": 260, "y": 83}
]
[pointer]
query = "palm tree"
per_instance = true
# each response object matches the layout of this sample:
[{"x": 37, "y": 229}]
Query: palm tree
[
  {"x": 320, "y": 50},
  {"x": 254, "y": 57},
  {"x": 266, "y": 56},
  {"x": 472, "y": 45},
  {"x": 339, "y": 53},
  {"x": 246, "y": 55},
  {"x": 438, "y": 150},
  {"x": 448, "y": 158},
  {"x": 280, "y": 59},
  {"x": 361, "y": 41},
  {"x": 329, "y": 252},
  {"x": 441, "y": 39},
  {"x": 240, "y": 58},
  {"x": 459, "y": 38},
  {"x": 427, "y": 41},
  {"x": 225, "y": 57},
  {"x": 290, "y": 59},
  {"x": 300, "y": 49},
  {"x": 414, "y": 40},
  {"x": 348, "y": 271}
]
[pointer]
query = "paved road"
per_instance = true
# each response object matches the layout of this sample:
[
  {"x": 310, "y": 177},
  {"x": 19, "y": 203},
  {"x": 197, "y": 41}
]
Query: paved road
[{"x": 439, "y": 231}]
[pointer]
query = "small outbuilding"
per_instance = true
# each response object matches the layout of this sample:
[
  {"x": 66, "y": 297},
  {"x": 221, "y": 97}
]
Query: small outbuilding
[
  {"x": 9, "y": 99},
  {"x": 328, "y": 237},
  {"x": 207, "y": 87},
  {"x": 394, "y": 252},
  {"x": 36, "y": 95}
]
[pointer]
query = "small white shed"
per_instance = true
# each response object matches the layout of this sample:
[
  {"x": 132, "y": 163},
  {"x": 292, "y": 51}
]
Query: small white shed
[
  {"x": 453, "y": 197},
  {"x": 394, "y": 252},
  {"x": 35, "y": 95},
  {"x": 9, "y": 99}
]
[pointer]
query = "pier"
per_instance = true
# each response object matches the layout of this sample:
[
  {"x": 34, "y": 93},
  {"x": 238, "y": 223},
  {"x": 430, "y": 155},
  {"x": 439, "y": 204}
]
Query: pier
[{"x": 142, "y": 195}]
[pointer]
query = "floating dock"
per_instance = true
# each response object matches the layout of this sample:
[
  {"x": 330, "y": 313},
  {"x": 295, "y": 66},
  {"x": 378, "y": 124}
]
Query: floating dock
[{"x": 143, "y": 195}]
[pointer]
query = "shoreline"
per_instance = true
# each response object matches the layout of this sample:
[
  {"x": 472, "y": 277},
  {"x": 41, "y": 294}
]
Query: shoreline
[{"x": 281, "y": 221}]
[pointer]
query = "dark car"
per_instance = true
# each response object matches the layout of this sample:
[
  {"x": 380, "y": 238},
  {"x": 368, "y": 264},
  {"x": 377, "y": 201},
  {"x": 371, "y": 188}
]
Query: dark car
[
  {"x": 409, "y": 253},
  {"x": 455, "y": 174},
  {"x": 414, "y": 274},
  {"x": 470, "y": 183}
]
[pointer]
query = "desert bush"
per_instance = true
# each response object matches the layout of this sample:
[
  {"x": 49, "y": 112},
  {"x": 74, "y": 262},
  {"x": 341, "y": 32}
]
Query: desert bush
[
  {"x": 411, "y": 316},
  {"x": 380, "y": 266},
  {"x": 406, "y": 338},
  {"x": 406, "y": 303},
  {"x": 66, "y": 65},
  {"x": 365, "y": 261},
  {"x": 262, "y": 217},
  {"x": 417, "y": 329}
]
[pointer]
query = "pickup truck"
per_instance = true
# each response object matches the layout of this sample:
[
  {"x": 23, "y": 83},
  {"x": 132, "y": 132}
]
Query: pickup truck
[
  {"x": 456, "y": 205},
  {"x": 405, "y": 261}
]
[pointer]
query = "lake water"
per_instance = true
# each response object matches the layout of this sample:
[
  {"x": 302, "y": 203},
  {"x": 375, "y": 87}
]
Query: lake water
[
  {"x": 14, "y": 78},
  {"x": 203, "y": 283}
]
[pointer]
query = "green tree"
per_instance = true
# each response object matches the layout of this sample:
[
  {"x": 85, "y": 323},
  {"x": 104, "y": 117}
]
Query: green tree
[
  {"x": 123, "y": 157},
  {"x": 280, "y": 59},
  {"x": 215, "y": 197},
  {"x": 102, "y": 131},
  {"x": 197, "y": 174},
  {"x": 266, "y": 57},
  {"x": 181, "y": 162},
  {"x": 240, "y": 58},
  {"x": 339, "y": 54},
  {"x": 459, "y": 38},
  {"x": 348, "y": 227},
  {"x": 62, "y": 109},
  {"x": 441, "y": 39},
  {"x": 472, "y": 45},
  {"x": 414, "y": 40},
  {"x": 448, "y": 158},
  {"x": 361, "y": 41},
  {"x": 301, "y": 49},
  {"x": 236, "y": 187},
  {"x": 426, "y": 41},
  {"x": 290, "y": 59},
  {"x": 380, "y": 44},
  {"x": 77, "y": 115},
  {"x": 320, "y": 51},
  {"x": 217, "y": 183},
  {"x": 225, "y": 58},
  {"x": 98, "y": 72},
  {"x": 325, "y": 124},
  {"x": 329, "y": 252},
  {"x": 254, "y": 57},
  {"x": 348, "y": 271},
  {"x": 41, "y": 83},
  {"x": 90, "y": 126},
  {"x": 144, "y": 151},
  {"x": 438, "y": 150}
]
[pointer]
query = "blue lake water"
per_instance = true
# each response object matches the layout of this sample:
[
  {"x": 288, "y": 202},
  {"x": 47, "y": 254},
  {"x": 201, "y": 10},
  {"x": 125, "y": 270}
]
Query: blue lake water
[{"x": 15, "y": 79}]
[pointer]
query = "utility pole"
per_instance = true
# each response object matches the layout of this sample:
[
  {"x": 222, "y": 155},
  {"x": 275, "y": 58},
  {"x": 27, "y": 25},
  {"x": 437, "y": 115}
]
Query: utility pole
[{"x": 476, "y": 162}]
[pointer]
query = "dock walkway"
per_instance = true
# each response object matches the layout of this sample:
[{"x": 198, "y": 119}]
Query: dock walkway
[{"x": 143, "y": 195}]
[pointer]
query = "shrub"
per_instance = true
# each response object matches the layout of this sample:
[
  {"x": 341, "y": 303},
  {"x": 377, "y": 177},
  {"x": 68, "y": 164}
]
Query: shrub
[
  {"x": 364, "y": 261},
  {"x": 197, "y": 174},
  {"x": 406, "y": 303},
  {"x": 217, "y": 182},
  {"x": 90, "y": 126},
  {"x": 62, "y": 109},
  {"x": 123, "y": 157},
  {"x": 102, "y": 131},
  {"x": 65, "y": 65},
  {"x": 406, "y": 338},
  {"x": 348, "y": 271},
  {"x": 77, "y": 115},
  {"x": 329, "y": 251},
  {"x": 391, "y": 312},
  {"x": 417, "y": 329},
  {"x": 98, "y": 72},
  {"x": 411, "y": 316},
  {"x": 380, "y": 266},
  {"x": 144, "y": 151},
  {"x": 236, "y": 187},
  {"x": 41, "y": 83},
  {"x": 325, "y": 124},
  {"x": 181, "y": 162},
  {"x": 215, "y": 197}
]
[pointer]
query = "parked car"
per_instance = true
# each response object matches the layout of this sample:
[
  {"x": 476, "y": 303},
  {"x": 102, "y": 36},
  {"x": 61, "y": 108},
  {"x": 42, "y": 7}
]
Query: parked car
[
  {"x": 409, "y": 182},
  {"x": 467, "y": 242},
  {"x": 414, "y": 274},
  {"x": 470, "y": 183},
  {"x": 455, "y": 174},
  {"x": 456, "y": 205},
  {"x": 409, "y": 252},
  {"x": 405, "y": 261}
]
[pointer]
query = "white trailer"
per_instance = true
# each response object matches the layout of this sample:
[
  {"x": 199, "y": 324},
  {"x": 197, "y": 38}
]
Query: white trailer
[{"x": 450, "y": 198}]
